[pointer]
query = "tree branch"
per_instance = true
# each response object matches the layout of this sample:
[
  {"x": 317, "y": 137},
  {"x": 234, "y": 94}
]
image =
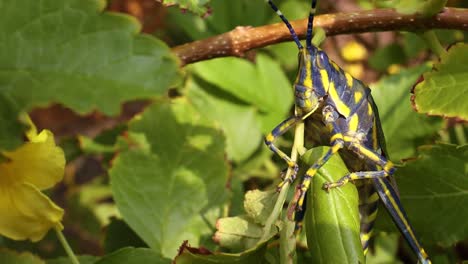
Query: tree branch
[{"x": 241, "y": 39}]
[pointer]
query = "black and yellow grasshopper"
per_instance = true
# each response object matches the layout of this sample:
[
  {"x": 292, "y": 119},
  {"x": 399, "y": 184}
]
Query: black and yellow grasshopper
[{"x": 346, "y": 110}]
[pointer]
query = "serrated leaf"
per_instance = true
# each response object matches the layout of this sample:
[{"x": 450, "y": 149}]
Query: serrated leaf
[
  {"x": 189, "y": 255},
  {"x": 167, "y": 195},
  {"x": 196, "y": 6},
  {"x": 404, "y": 129},
  {"x": 433, "y": 190},
  {"x": 134, "y": 256},
  {"x": 444, "y": 89},
  {"x": 71, "y": 52},
  {"x": 12, "y": 257},
  {"x": 332, "y": 218}
]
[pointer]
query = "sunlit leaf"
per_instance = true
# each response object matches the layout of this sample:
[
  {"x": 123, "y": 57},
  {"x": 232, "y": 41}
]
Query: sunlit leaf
[{"x": 443, "y": 90}]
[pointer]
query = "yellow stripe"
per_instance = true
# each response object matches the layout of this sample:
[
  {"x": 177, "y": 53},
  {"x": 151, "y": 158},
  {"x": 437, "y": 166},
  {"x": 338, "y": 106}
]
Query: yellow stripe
[
  {"x": 357, "y": 96},
  {"x": 375, "y": 141},
  {"x": 365, "y": 251},
  {"x": 366, "y": 237},
  {"x": 335, "y": 66},
  {"x": 369, "y": 109},
  {"x": 353, "y": 123},
  {"x": 336, "y": 136},
  {"x": 270, "y": 137},
  {"x": 388, "y": 166},
  {"x": 371, "y": 155},
  {"x": 349, "y": 80},
  {"x": 308, "y": 78},
  {"x": 325, "y": 81},
  {"x": 341, "y": 107},
  {"x": 400, "y": 214}
]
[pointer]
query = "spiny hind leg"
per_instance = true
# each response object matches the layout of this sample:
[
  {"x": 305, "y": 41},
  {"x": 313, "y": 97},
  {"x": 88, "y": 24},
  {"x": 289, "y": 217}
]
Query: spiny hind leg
[
  {"x": 370, "y": 155},
  {"x": 278, "y": 131}
]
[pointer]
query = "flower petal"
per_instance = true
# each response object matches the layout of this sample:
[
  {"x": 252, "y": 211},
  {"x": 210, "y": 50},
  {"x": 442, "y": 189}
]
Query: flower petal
[
  {"x": 26, "y": 213},
  {"x": 39, "y": 162}
]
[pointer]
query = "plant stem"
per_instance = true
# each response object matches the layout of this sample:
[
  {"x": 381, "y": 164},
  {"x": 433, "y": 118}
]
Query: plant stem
[
  {"x": 278, "y": 208},
  {"x": 434, "y": 43},
  {"x": 287, "y": 237},
  {"x": 66, "y": 246}
]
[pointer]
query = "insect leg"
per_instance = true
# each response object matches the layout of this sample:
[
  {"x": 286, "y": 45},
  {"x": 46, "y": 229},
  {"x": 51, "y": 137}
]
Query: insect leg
[
  {"x": 393, "y": 205},
  {"x": 388, "y": 195},
  {"x": 336, "y": 144},
  {"x": 368, "y": 154},
  {"x": 360, "y": 175},
  {"x": 277, "y": 132}
]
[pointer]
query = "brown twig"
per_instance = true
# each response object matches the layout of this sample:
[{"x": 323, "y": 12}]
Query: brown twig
[{"x": 241, "y": 39}]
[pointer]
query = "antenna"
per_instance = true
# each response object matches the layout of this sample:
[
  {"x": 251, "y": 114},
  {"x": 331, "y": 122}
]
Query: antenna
[
  {"x": 310, "y": 23},
  {"x": 286, "y": 22}
]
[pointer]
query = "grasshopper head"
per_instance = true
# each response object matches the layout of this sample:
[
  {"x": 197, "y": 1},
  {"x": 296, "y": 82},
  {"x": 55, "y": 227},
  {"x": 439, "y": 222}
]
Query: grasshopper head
[{"x": 307, "y": 98}]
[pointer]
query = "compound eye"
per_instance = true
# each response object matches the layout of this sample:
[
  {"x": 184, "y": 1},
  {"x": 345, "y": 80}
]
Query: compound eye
[{"x": 320, "y": 60}]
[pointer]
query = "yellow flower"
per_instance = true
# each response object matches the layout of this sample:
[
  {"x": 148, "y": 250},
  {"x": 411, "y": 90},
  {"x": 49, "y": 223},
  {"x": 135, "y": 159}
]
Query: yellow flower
[
  {"x": 353, "y": 51},
  {"x": 25, "y": 212}
]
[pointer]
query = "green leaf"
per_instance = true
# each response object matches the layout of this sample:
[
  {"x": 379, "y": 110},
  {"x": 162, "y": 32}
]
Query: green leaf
[
  {"x": 332, "y": 218},
  {"x": 404, "y": 129},
  {"x": 262, "y": 85},
  {"x": 189, "y": 255},
  {"x": 11, "y": 128},
  {"x": 11, "y": 257},
  {"x": 443, "y": 90},
  {"x": 244, "y": 232},
  {"x": 433, "y": 190},
  {"x": 385, "y": 249},
  {"x": 386, "y": 56},
  {"x": 239, "y": 13},
  {"x": 237, "y": 233},
  {"x": 134, "y": 256},
  {"x": 171, "y": 193},
  {"x": 119, "y": 235},
  {"x": 72, "y": 53},
  {"x": 196, "y": 6},
  {"x": 259, "y": 204},
  {"x": 287, "y": 52},
  {"x": 425, "y": 7},
  {"x": 81, "y": 259},
  {"x": 238, "y": 120}
]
